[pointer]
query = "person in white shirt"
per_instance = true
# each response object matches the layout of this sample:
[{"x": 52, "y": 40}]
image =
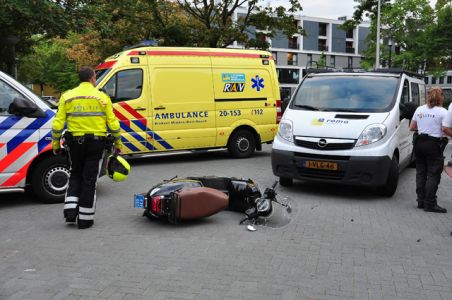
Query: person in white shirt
[
  {"x": 447, "y": 122},
  {"x": 428, "y": 121}
]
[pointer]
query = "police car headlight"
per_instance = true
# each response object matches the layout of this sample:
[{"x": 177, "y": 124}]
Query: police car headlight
[
  {"x": 286, "y": 130},
  {"x": 371, "y": 134}
]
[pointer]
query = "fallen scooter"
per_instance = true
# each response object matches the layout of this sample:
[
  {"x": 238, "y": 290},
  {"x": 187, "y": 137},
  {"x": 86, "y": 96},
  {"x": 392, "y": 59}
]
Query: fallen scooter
[{"x": 182, "y": 199}]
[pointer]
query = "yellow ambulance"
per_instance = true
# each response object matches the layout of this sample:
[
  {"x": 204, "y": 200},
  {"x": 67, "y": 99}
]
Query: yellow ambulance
[{"x": 171, "y": 99}]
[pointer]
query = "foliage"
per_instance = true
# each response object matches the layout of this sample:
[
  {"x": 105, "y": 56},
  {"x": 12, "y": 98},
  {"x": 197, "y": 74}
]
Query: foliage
[
  {"x": 23, "y": 18},
  {"x": 321, "y": 63},
  {"x": 216, "y": 20},
  {"x": 48, "y": 64},
  {"x": 421, "y": 36}
]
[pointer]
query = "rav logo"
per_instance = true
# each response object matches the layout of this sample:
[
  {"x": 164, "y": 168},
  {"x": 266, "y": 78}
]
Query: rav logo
[{"x": 233, "y": 87}]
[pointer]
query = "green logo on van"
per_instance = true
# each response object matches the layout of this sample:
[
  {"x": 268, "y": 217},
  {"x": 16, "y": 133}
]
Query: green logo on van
[{"x": 233, "y": 77}]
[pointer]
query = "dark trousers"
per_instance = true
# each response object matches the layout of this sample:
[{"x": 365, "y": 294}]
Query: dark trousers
[
  {"x": 85, "y": 159},
  {"x": 429, "y": 165}
]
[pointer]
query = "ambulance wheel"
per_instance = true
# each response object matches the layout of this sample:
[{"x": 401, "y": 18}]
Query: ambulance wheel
[
  {"x": 285, "y": 181},
  {"x": 390, "y": 187},
  {"x": 241, "y": 144},
  {"x": 50, "y": 179}
]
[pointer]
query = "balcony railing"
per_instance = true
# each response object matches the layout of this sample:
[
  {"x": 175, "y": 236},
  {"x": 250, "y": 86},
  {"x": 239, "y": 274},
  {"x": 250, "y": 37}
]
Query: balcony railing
[
  {"x": 323, "y": 48},
  {"x": 350, "y": 50}
]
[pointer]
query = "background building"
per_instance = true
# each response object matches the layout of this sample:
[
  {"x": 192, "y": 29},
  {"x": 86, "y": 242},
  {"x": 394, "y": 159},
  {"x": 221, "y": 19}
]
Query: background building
[
  {"x": 445, "y": 82},
  {"x": 342, "y": 49}
]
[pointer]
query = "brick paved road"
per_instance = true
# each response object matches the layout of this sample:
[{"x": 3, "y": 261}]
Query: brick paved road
[{"x": 343, "y": 243}]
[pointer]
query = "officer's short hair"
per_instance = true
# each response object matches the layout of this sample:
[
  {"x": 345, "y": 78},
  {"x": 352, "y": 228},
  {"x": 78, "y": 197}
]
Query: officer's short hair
[
  {"x": 85, "y": 74},
  {"x": 435, "y": 97}
]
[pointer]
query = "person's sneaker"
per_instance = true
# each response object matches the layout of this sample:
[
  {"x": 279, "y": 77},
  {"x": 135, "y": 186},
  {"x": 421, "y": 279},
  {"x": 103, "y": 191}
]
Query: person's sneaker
[
  {"x": 83, "y": 224},
  {"x": 435, "y": 208}
]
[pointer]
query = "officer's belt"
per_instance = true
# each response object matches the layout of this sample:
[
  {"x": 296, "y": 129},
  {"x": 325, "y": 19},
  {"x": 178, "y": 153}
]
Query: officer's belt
[
  {"x": 88, "y": 137},
  {"x": 426, "y": 136}
]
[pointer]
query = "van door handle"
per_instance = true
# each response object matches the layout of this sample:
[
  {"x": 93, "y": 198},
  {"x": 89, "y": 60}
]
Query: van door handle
[
  {"x": 140, "y": 108},
  {"x": 159, "y": 107}
]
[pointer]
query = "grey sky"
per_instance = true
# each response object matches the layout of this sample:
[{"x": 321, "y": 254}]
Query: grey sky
[{"x": 331, "y": 9}]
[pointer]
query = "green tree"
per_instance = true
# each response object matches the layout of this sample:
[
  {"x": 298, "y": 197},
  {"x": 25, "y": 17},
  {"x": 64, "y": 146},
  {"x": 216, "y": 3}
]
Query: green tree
[
  {"x": 48, "y": 64},
  {"x": 213, "y": 24},
  {"x": 20, "y": 20},
  {"x": 414, "y": 28}
]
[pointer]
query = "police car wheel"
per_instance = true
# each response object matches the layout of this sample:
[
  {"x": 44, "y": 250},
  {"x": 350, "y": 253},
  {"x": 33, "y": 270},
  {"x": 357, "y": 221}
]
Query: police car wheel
[
  {"x": 241, "y": 144},
  {"x": 285, "y": 181},
  {"x": 390, "y": 187},
  {"x": 50, "y": 179}
]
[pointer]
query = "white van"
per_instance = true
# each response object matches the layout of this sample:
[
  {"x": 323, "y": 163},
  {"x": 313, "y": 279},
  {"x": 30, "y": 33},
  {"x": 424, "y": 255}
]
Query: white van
[{"x": 348, "y": 128}]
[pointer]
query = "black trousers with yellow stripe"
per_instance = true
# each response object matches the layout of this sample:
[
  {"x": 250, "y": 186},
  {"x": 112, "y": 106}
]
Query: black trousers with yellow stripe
[{"x": 85, "y": 155}]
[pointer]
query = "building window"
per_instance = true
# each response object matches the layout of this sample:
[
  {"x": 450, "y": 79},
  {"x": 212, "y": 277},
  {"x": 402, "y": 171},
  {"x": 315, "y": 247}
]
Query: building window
[
  {"x": 433, "y": 80},
  {"x": 275, "y": 57},
  {"x": 449, "y": 79},
  {"x": 309, "y": 63},
  {"x": 288, "y": 76},
  {"x": 350, "y": 62},
  {"x": 332, "y": 61},
  {"x": 426, "y": 80},
  {"x": 322, "y": 29},
  {"x": 292, "y": 59},
  {"x": 322, "y": 45},
  {"x": 349, "y": 34},
  {"x": 349, "y": 47},
  {"x": 293, "y": 43},
  {"x": 441, "y": 80}
]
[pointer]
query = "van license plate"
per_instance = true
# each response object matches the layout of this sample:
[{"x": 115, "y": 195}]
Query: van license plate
[
  {"x": 138, "y": 201},
  {"x": 322, "y": 165}
]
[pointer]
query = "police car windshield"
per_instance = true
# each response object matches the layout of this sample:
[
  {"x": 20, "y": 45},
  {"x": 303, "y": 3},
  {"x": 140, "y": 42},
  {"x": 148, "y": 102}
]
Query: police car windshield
[
  {"x": 346, "y": 93},
  {"x": 100, "y": 74}
]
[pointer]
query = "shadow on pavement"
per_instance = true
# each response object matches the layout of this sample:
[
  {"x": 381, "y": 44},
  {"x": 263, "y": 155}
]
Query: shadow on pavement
[
  {"x": 335, "y": 190},
  {"x": 17, "y": 199},
  {"x": 197, "y": 156}
]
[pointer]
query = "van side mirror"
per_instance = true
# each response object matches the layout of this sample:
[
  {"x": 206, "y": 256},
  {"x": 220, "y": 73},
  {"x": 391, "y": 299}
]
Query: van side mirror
[
  {"x": 407, "y": 110},
  {"x": 25, "y": 108}
]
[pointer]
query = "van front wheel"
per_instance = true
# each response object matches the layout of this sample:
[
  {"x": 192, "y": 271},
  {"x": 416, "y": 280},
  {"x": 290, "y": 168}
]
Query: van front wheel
[
  {"x": 241, "y": 144},
  {"x": 389, "y": 188}
]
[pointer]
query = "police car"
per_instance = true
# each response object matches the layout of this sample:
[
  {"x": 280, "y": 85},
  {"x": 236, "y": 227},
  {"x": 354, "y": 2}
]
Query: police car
[{"x": 26, "y": 158}]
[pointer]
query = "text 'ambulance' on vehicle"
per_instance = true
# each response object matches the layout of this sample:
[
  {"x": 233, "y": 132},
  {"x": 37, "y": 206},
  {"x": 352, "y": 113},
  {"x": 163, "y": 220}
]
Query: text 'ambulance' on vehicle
[{"x": 192, "y": 98}]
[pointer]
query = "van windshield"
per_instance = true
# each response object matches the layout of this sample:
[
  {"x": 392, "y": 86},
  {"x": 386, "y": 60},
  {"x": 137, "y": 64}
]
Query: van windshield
[
  {"x": 100, "y": 74},
  {"x": 346, "y": 93}
]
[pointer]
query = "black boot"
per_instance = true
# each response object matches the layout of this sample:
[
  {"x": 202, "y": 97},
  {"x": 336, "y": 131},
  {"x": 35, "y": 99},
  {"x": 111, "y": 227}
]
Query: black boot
[
  {"x": 70, "y": 215},
  {"x": 83, "y": 224},
  {"x": 420, "y": 203},
  {"x": 434, "y": 208}
]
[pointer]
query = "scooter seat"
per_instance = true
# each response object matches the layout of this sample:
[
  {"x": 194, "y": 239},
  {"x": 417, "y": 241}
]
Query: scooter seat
[{"x": 200, "y": 202}]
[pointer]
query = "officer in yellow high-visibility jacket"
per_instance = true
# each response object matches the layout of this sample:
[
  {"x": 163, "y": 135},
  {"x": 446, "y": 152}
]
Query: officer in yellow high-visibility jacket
[{"x": 87, "y": 112}]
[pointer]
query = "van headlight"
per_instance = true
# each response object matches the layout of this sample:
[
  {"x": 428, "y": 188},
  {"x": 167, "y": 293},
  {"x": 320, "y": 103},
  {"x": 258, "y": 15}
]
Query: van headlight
[
  {"x": 371, "y": 134},
  {"x": 286, "y": 130}
]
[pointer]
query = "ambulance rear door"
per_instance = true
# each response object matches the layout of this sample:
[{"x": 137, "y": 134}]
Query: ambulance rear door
[{"x": 128, "y": 88}]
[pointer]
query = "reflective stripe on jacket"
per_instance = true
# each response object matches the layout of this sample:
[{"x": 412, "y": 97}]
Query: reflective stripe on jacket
[{"x": 86, "y": 111}]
